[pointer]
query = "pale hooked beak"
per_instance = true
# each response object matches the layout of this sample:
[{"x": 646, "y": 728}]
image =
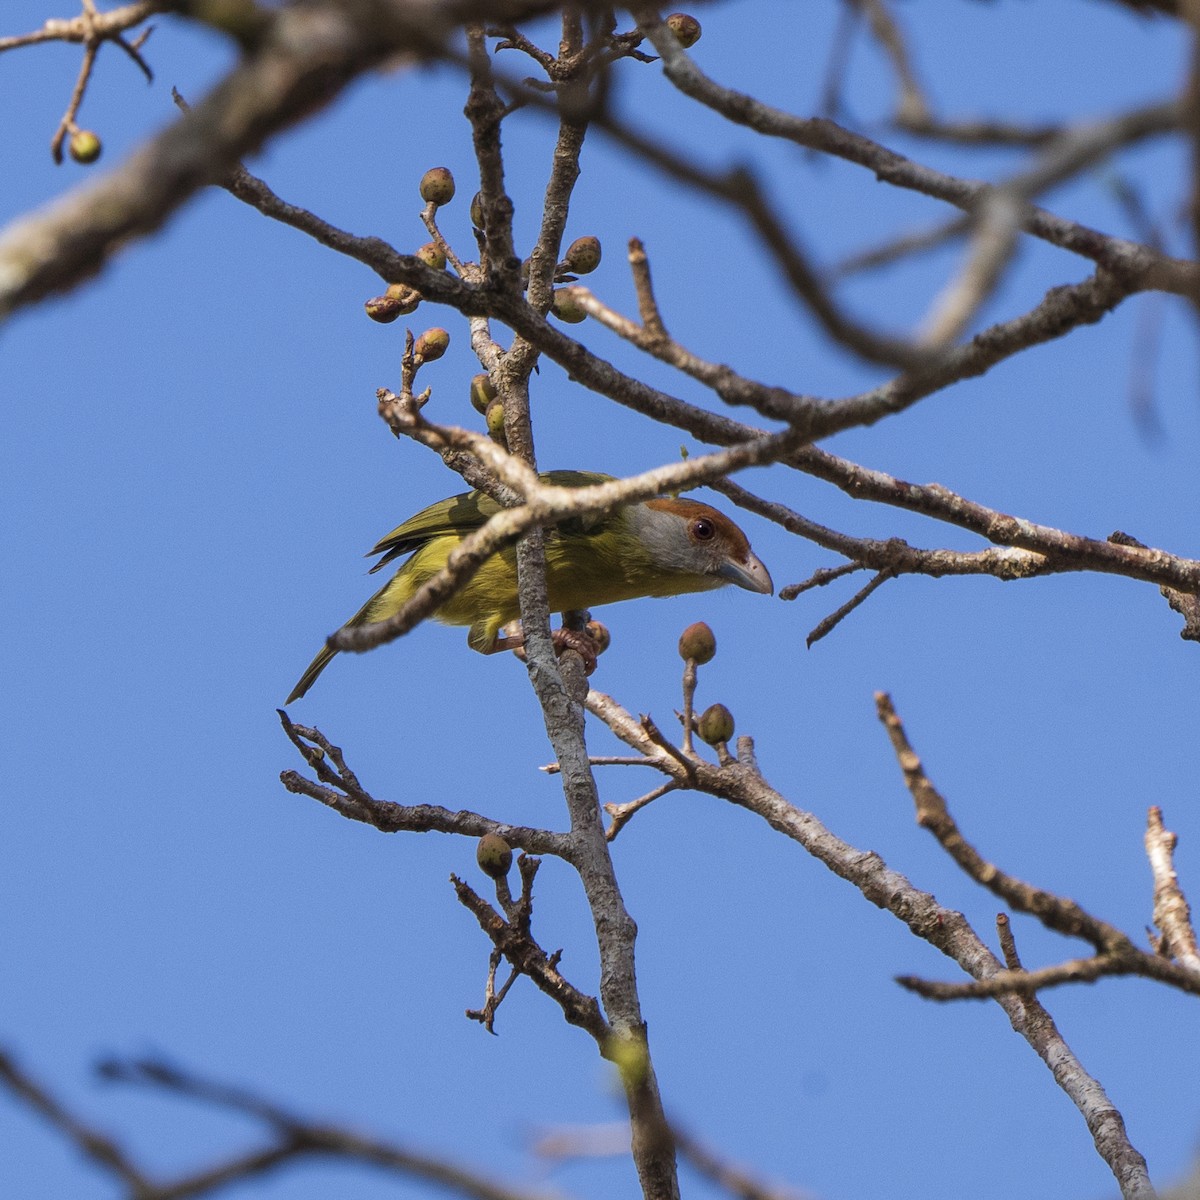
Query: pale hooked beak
[{"x": 751, "y": 574}]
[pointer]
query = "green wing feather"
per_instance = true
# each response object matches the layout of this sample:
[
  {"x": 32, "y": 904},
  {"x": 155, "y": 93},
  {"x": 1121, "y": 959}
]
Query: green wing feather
[{"x": 460, "y": 515}]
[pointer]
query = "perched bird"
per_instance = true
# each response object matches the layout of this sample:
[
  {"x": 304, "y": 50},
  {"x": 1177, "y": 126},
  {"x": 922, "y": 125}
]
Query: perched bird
[{"x": 659, "y": 547}]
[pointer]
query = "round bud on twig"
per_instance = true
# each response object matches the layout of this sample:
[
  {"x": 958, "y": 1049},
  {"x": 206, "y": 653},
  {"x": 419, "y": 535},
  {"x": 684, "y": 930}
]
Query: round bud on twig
[
  {"x": 384, "y": 309},
  {"x": 697, "y": 643},
  {"x": 583, "y": 255},
  {"x": 599, "y": 634},
  {"x": 483, "y": 392},
  {"x": 432, "y": 255},
  {"x": 405, "y": 297},
  {"x": 494, "y": 855},
  {"x": 685, "y": 28},
  {"x": 494, "y": 415},
  {"x": 566, "y": 308},
  {"x": 437, "y": 185},
  {"x": 85, "y": 146},
  {"x": 432, "y": 344},
  {"x": 715, "y": 725}
]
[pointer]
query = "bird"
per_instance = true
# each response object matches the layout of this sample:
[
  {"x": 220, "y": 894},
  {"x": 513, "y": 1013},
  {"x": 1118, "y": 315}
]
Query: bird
[{"x": 664, "y": 546}]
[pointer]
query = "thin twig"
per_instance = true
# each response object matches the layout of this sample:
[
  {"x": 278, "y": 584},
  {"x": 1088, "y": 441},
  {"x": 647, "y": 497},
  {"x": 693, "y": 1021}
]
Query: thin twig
[
  {"x": 835, "y": 618},
  {"x": 1172, "y": 914}
]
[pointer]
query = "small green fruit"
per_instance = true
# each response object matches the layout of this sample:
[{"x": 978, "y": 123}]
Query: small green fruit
[
  {"x": 477, "y": 210},
  {"x": 437, "y": 185},
  {"x": 685, "y": 28},
  {"x": 85, "y": 146},
  {"x": 432, "y": 344},
  {"x": 405, "y": 297},
  {"x": 494, "y": 855},
  {"x": 483, "y": 392},
  {"x": 583, "y": 255},
  {"x": 697, "y": 643},
  {"x": 432, "y": 255},
  {"x": 495, "y": 419},
  {"x": 566, "y": 308},
  {"x": 715, "y": 725}
]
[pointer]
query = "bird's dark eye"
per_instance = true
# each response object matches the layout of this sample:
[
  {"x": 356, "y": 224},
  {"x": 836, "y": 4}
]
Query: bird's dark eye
[{"x": 703, "y": 529}]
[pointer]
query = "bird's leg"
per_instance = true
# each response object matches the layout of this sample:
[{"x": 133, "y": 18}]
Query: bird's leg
[
  {"x": 512, "y": 637},
  {"x": 574, "y": 635}
]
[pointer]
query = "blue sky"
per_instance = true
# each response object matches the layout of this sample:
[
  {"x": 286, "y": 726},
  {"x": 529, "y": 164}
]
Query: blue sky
[{"x": 192, "y": 468}]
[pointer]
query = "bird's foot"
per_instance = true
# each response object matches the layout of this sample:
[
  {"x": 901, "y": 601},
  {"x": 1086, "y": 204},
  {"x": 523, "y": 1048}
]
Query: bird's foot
[{"x": 581, "y": 641}]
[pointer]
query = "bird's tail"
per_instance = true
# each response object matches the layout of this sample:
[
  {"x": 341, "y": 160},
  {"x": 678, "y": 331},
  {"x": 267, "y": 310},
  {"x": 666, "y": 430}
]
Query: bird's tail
[
  {"x": 318, "y": 664},
  {"x": 386, "y": 601}
]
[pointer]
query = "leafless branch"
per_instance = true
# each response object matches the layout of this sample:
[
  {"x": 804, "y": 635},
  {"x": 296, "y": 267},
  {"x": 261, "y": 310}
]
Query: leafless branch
[
  {"x": 1172, "y": 914},
  {"x": 740, "y": 782},
  {"x": 340, "y": 790},
  {"x": 290, "y": 1138},
  {"x": 1123, "y": 258}
]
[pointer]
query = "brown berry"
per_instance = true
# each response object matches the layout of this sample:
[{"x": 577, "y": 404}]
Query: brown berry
[
  {"x": 437, "y": 185},
  {"x": 483, "y": 392},
  {"x": 715, "y": 725},
  {"x": 566, "y": 308},
  {"x": 85, "y": 146},
  {"x": 432, "y": 344},
  {"x": 494, "y": 855},
  {"x": 697, "y": 643},
  {"x": 583, "y": 255},
  {"x": 384, "y": 309},
  {"x": 599, "y": 634},
  {"x": 407, "y": 298},
  {"x": 685, "y": 28},
  {"x": 432, "y": 255}
]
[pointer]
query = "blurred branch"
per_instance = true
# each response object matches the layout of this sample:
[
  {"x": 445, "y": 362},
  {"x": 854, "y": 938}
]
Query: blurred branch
[
  {"x": 302, "y": 62},
  {"x": 92, "y": 29},
  {"x": 565, "y": 1144},
  {"x": 1137, "y": 265},
  {"x": 912, "y": 105},
  {"x": 292, "y": 1139},
  {"x": 102, "y": 1150},
  {"x": 1069, "y": 149},
  {"x": 1062, "y": 310},
  {"x": 91, "y": 24},
  {"x": 903, "y": 245},
  {"x": 736, "y": 1180}
]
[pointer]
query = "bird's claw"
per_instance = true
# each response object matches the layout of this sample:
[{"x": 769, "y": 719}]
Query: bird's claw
[
  {"x": 580, "y": 642},
  {"x": 587, "y": 647}
]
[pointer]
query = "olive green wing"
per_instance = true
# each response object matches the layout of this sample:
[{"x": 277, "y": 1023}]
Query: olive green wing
[{"x": 460, "y": 515}]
